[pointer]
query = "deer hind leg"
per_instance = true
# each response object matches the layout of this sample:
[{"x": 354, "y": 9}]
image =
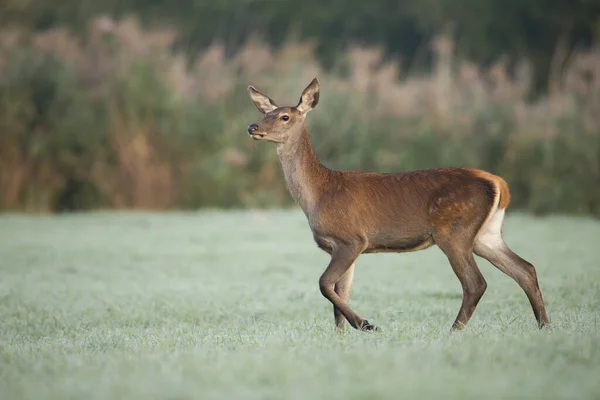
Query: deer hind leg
[
  {"x": 490, "y": 245},
  {"x": 457, "y": 218},
  {"x": 342, "y": 260},
  {"x": 342, "y": 289},
  {"x": 470, "y": 277}
]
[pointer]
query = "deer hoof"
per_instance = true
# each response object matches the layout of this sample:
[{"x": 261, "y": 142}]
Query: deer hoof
[{"x": 368, "y": 327}]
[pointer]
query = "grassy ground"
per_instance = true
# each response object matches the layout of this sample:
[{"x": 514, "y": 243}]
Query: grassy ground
[{"x": 226, "y": 305}]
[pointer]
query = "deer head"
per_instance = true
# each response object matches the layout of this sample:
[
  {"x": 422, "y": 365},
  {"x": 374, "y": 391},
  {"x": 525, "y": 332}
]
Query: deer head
[{"x": 280, "y": 124}]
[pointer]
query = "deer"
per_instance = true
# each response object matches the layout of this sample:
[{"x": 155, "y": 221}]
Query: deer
[{"x": 461, "y": 210}]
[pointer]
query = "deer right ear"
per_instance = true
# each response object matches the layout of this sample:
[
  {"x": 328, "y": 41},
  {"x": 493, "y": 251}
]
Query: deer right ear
[
  {"x": 309, "y": 98},
  {"x": 261, "y": 101}
]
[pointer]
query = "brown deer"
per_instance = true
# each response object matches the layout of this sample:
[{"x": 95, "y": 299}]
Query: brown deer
[{"x": 461, "y": 210}]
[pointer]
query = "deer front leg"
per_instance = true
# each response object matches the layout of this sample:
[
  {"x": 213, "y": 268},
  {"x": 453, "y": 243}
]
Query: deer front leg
[
  {"x": 342, "y": 260},
  {"x": 342, "y": 288}
]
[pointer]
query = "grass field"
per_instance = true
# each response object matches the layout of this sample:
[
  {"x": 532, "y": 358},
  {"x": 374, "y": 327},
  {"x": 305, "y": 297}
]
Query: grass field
[{"x": 226, "y": 305}]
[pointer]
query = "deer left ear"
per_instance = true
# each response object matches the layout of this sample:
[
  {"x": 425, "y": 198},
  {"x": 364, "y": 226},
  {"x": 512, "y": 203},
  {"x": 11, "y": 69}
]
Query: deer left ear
[
  {"x": 261, "y": 101},
  {"x": 309, "y": 98}
]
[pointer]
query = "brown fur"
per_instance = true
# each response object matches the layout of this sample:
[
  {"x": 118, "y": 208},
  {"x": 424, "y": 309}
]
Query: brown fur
[
  {"x": 351, "y": 212},
  {"x": 504, "y": 191}
]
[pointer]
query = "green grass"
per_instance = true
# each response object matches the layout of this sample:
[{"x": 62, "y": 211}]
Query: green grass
[{"x": 226, "y": 305}]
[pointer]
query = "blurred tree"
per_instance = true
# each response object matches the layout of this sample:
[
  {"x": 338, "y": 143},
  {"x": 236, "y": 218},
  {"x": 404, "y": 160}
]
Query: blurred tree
[{"x": 544, "y": 31}]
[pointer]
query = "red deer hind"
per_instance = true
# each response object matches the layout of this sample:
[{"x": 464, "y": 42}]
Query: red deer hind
[{"x": 461, "y": 210}]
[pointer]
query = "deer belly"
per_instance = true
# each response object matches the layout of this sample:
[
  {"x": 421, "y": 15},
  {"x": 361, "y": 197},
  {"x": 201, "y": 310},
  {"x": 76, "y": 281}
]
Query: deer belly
[{"x": 386, "y": 243}]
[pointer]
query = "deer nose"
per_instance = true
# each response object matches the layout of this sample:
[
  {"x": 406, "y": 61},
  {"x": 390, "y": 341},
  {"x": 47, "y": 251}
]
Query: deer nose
[{"x": 252, "y": 128}]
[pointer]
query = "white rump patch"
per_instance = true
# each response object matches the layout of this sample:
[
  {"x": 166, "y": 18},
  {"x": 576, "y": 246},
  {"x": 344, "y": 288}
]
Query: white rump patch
[{"x": 490, "y": 234}]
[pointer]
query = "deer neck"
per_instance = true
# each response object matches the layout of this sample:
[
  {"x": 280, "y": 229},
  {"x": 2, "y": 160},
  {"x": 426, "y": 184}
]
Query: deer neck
[{"x": 304, "y": 174}]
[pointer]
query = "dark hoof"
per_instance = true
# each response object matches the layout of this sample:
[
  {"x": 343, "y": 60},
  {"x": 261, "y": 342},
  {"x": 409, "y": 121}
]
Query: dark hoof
[
  {"x": 544, "y": 325},
  {"x": 457, "y": 327},
  {"x": 368, "y": 327}
]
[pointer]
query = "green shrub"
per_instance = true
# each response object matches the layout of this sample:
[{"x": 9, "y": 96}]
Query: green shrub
[{"x": 107, "y": 123}]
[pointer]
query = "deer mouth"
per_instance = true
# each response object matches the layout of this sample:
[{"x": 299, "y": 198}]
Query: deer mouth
[{"x": 263, "y": 137}]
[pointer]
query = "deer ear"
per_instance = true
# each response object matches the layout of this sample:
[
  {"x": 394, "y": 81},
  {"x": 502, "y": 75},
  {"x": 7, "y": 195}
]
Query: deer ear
[
  {"x": 309, "y": 98},
  {"x": 261, "y": 101}
]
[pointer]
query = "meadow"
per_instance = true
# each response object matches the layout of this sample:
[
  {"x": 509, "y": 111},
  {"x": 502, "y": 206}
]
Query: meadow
[{"x": 226, "y": 305}]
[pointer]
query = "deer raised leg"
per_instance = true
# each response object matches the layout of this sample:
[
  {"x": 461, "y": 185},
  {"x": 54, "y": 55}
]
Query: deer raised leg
[{"x": 342, "y": 260}]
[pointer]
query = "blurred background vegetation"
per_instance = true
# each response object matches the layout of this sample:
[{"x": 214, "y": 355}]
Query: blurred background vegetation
[{"x": 142, "y": 103}]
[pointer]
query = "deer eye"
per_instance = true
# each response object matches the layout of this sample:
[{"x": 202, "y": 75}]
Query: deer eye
[{"x": 285, "y": 117}]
